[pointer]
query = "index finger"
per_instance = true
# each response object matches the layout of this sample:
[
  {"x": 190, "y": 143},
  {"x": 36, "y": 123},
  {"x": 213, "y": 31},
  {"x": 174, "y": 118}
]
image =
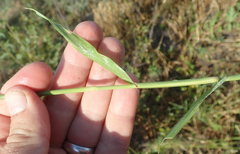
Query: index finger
[
  {"x": 72, "y": 71},
  {"x": 37, "y": 76}
]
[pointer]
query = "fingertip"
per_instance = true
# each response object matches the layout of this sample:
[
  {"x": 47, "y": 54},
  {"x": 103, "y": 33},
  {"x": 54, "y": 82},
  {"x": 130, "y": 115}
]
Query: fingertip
[
  {"x": 90, "y": 31},
  {"x": 112, "y": 48},
  {"x": 16, "y": 102},
  {"x": 37, "y": 76},
  {"x": 44, "y": 68},
  {"x": 32, "y": 101}
]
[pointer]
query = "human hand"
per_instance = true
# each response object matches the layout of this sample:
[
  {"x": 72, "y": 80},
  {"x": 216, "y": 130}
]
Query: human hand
[{"x": 102, "y": 120}]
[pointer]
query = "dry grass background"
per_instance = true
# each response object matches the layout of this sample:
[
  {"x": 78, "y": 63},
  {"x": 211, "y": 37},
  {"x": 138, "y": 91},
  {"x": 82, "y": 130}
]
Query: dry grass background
[
  {"x": 166, "y": 40},
  {"x": 179, "y": 39}
]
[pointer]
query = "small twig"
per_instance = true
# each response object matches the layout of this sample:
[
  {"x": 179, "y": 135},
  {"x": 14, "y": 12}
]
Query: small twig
[{"x": 153, "y": 19}]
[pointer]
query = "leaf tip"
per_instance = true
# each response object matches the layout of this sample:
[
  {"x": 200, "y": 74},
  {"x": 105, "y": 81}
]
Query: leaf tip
[{"x": 27, "y": 8}]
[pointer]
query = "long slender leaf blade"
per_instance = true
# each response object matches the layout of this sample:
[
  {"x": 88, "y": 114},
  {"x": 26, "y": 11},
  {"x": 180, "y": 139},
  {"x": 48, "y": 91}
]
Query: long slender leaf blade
[
  {"x": 87, "y": 49},
  {"x": 174, "y": 131}
]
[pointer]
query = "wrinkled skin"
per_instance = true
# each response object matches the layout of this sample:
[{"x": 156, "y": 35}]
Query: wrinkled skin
[{"x": 98, "y": 119}]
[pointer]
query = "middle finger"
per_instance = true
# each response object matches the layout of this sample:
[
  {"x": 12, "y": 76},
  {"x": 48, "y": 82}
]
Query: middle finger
[{"x": 87, "y": 125}]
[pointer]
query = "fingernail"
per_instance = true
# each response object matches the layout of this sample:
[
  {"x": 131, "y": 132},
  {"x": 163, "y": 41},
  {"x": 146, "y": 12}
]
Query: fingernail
[{"x": 16, "y": 101}]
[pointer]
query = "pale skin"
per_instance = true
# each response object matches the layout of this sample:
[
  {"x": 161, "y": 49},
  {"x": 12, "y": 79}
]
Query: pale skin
[{"x": 98, "y": 119}]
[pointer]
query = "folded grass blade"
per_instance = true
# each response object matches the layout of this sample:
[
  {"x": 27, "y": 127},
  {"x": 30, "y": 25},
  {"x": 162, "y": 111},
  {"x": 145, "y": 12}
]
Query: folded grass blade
[
  {"x": 173, "y": 132},
  {"x": 87, "y": 49}
]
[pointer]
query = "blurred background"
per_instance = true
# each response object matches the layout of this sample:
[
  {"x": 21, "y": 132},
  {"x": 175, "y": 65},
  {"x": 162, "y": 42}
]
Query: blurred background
[{"x": 164, "y": 40}]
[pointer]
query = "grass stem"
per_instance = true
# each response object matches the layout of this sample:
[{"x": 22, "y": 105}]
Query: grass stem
[{"x": 163, "y": 84}]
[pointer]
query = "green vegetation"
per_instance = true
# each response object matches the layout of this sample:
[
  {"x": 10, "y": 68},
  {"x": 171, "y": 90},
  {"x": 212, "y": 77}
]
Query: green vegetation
[{"x": 164, "y": 40}]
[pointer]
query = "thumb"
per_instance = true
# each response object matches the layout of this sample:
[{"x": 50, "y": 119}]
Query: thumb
[{"x": 30, "y": 124}]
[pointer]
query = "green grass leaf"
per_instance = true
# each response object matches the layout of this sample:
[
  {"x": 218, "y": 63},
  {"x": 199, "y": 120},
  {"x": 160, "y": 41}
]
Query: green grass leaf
[
  {"x": 87, "y": 49},
  {"x": 174, "y": 131}
]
